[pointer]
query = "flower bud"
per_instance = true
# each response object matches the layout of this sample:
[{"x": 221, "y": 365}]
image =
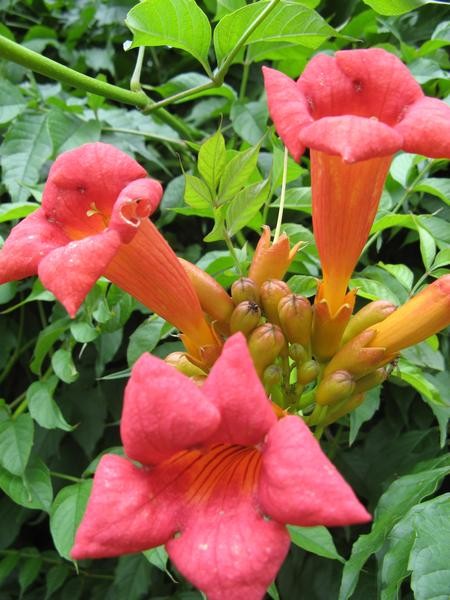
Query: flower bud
[
  {"x": 272, "y": 291},
  {"x": 245, "y": 317},
  {"x": 369, "y": 315},
  {"x": 308, "y": 372},
  {"x": 357, "y": 357},
  {"x": 180, "y": 361},
  {"x": 371, "y": 380},
  {"x": 244, "y": 289},
  {"x": 265, "y": 344},
  {"x": 344, "y": 408},
  {"x": 271, "y": 260},
  {"x": 334, "y": 388},
  {"x": 298, "y": 353},
  {"x": 295, "y": 314},
  {"x": 272, "y": 376},
  {"x": 214, "y": 300}
]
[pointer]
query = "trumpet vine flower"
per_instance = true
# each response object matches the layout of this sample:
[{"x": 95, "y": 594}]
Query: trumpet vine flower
[
  {"x": 219, "y": 477},
  {"x": 93, "y": 222},
  {"x": 354, "y": 111}
]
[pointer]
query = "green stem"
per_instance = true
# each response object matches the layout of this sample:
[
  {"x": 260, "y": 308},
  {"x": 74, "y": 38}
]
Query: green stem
[
  {"x": 15, "y": 355},
  {"x": 20, "y": 55},
  {"x": 147, "y": 134},
  {"x": 223, "y": 69},
  {"x": 245, "y": 74},
  {"x": 181, "y": 95},
  {"x": 373, "y": 238},
  {"x": 282, "y": 197},
  {"x": 67, "y": 477},
  {"x": 135, "y": 81},
  {"x": 230, "y": 247}
]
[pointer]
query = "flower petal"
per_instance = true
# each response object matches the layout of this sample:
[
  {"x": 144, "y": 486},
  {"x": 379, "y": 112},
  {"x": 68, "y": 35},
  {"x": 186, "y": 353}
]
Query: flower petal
[
  {"x": 137, "y": 201},
  {"x": 26, "y": 246},
  {"x": 228, "y": 549},
  {"x": 382, "y": 84},
  {"x": 299, "y": 485},
  {"x": 235, "y": 389},
  {"x": 353, "y": 138},
  {"x": 164, "y": 412},
  {"x": 83, "y": 185},
  {"x": 70, "y": 271},
  {"x": 426, "y": 128},
  {"x": 120, "y": 517},
  {"x": 288, "y": 109},
  {"x": 327, "y": 90}
]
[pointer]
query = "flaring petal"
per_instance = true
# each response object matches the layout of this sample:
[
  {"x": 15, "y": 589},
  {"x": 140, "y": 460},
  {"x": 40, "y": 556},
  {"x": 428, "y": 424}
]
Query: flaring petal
[
  {"x": 83, "y": 185},
  {"x": 299, "y": 485},
  {"x": 228, "y": 549},
  {"x": 352, "y": 138},
  {"x": 426, "y": 128},
  {"x": 382, "y": 84},
  {"x": 235, "y": 389},
  {"x": 28, "y": 243},
  {"x": 70, "y": 271},
  {"x": 120, "y": 517},
  {"x": 164, "y": 412},
  {"x": 137, "y": 201},
  {"x": 288, "y": 109}
]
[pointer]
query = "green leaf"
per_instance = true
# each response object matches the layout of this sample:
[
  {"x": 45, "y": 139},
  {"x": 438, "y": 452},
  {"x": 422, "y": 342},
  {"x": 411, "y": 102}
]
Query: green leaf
[
  {"x": 26, "y": 148},
  {"x": 83, "y": 332},
  {"x": 64, "y": 366},
  {"x": 159, "y": 558},
  {"x": 401, "y": 272},
  {"x": 33, "y": 489},
  {"x": 56, "y": 576},
  {"x": 43, "y": 408},
  {"x": 197, "y": 193},
  {"x": 212, "y": 159},
  {"x": 145, "y": 338},
  {"x": 68, "y": 131},
  {"x": 16, "y": 440},
  {"x": 133, "y": 577},
  {"x": 245, "y": 205},
  {"x": 288, "y": 22},
  {"x": 7, "y": 565},
  {"x": 419, "y": 544},
  {"x": 46, "y": 339},
  {"x": 317, "y": 540},
  {"x": 12, "y": 102},
  {"x": 187, "y": 81},
  {"x": 436, "y": 186},
  {"x": 29, "y": 570},
  {"x": 416, "y": 378},
  {"x": 16, "y": 210},
  {"x": 178, "y": 23},
  {"x": 236, "y": 174},
  {"x": 249, "y": 120},
  {"x": 364, "y": 412},
  {"x": 441, "y": 259},
  {"x": 66, "y": 513},
  {"x": 427, "y": 247},
  {"x": 373, "y": 290},
  {"x": 306, "y": 285},
  {"x": 398, "y": 499},
  {"x": 396, "y": 7},
  {"x": 226, "y": 6}
]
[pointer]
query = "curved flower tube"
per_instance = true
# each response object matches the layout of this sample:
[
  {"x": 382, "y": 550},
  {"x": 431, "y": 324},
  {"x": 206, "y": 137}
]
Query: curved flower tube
[
  {"x": 93, "y": 222},
  {"x": 354, "y": 111},
  {"x": 220, "y": 477}
]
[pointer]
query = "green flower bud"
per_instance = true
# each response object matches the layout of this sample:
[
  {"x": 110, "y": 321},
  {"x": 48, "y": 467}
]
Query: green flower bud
[
  {"x": 295, "y": 314},
  {"x": 308, "y": 372},
  {"x": 244, "y": 289},
  {"x": 245, "y": 317},
  {"x": 334, "y": 388}
]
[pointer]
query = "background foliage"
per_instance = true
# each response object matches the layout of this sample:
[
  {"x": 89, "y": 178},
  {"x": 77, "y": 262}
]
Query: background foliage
[{"x": 62, "y": 379}]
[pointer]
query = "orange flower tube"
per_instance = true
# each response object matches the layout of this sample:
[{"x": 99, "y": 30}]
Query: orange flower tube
[{"x": 422, "y": 316}]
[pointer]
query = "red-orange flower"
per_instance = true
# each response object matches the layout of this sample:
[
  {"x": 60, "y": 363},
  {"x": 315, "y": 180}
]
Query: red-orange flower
[
  {"x": 220, "y": 478},
  {"x": 93, "y": 221},
  {"x": 354, "y": 111}
]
